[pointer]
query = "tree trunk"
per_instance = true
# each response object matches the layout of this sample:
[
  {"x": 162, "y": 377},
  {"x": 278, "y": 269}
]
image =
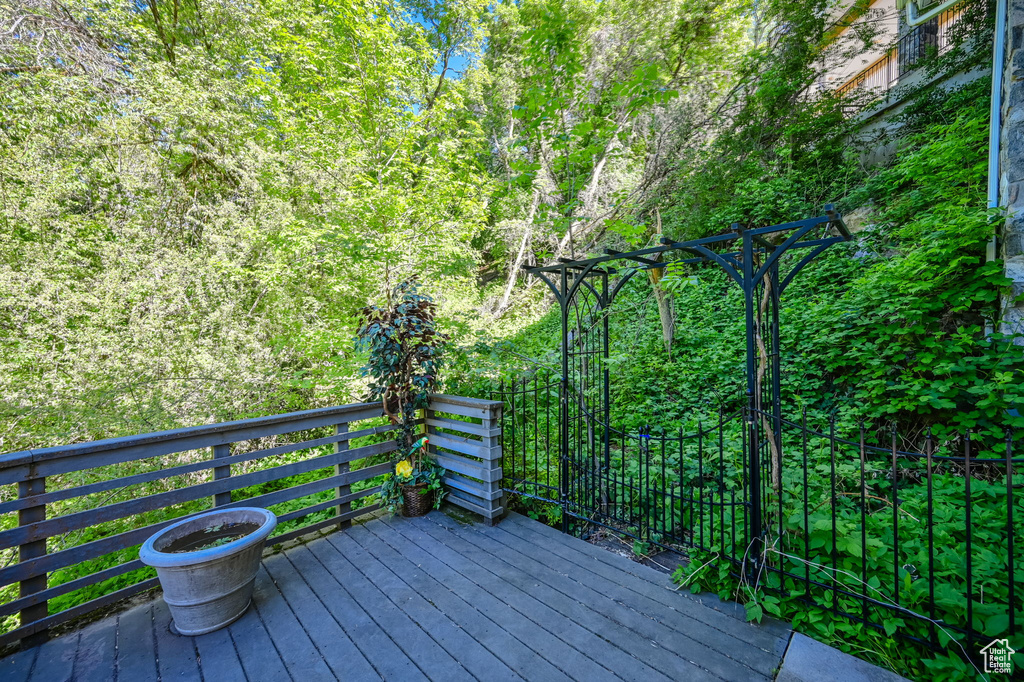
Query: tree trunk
[
  {"x": 666, "y": 309},
  {"x": 513, "y": 274}
]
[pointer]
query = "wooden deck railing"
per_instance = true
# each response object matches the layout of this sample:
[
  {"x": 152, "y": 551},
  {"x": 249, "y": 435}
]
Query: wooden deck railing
[{"x": 465, "y": 434}]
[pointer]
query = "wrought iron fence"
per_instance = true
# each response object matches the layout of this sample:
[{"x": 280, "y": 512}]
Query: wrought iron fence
[{"x": 915, "y": 538}]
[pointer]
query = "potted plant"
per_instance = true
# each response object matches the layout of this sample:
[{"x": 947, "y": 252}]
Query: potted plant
[
  {"x": 207, "y": 565},
  {"x": 405, "y": 353},
  {"x": 415, "y": 487}
]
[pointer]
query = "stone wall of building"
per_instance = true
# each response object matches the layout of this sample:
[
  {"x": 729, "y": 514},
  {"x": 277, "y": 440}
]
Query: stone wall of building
[{"x": 1012, "y": 166}]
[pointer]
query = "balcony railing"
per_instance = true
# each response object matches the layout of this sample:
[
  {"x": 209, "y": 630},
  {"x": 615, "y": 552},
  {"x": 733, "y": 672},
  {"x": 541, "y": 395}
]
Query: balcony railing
[
  {"x": 73, "y": 518},
  {"x": 933, "y": 37}
]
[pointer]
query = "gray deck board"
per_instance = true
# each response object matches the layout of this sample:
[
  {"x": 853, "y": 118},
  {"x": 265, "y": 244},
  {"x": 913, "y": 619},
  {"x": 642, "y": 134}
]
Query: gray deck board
[
  {"x": 630, "y": 630},
  {"x": 18, "y": 666},
  {"x": 217, "y": 657},
  {"x": 176, "y": 656},
  {"x": 463, "y": 647},
  {"x": 300, "y": 656},
  {"x": 578, "y": 626},
  {"x": 627, "y": 592},
  {"x": 421, "y": 648},
  {"x": 431, "y": 599},
  {"x": 768, "y": 633},
  {"x": 97, "y": 652},
  {"x": 373, "y": 641},
  {"x": 516, "y": 610},
  {"x": 136, "y": 644},
  {"x": 255, "y": 647},
  {"x": 339, "y": 652},
  {"x": 484, "y": 631}
]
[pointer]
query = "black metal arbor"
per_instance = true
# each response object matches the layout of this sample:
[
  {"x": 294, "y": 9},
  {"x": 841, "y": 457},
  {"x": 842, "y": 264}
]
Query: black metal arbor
[
  {"x": 844, "y": 521},
  {"x": 588, "y": 484}
]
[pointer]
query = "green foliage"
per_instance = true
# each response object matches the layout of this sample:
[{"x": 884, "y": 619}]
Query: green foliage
[{"x": 405, "y": 352}]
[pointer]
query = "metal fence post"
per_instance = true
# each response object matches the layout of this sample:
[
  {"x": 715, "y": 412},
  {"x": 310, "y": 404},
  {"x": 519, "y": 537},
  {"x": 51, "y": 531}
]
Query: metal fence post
[{"x": 28, "y": 552}]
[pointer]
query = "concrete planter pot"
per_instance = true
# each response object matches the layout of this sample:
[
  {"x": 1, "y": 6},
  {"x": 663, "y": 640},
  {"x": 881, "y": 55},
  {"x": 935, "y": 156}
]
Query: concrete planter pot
[{"x": 209, "y": 588}]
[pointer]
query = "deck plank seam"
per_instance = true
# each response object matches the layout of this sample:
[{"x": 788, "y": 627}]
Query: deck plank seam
[
  {"x": 156, "y": 645},
  {"x": 32, "y": 665},
  {"x": 117, "y": 657},
  {"x": 369, "y": 615},
  {"x": 630, "y": 607},
  {"x": 199, "y": 659},
  {"x": 682, "y": 615},
  {"x": 426, "y": 630},
  {"x": 437, "y": 533},
  {"x": 426, "y": 550},
  {"x": 598, "y": 635},
  {"x": 539, "y": 574},
  {"x": 387, "y": 566},
  {"x": 594, "y": 615},
  {"x": 330, "y": 612},
  {"x": 730, "y": 610},
  {"x": 471, "y": 607},
  {"x": 357, "y": 606}
]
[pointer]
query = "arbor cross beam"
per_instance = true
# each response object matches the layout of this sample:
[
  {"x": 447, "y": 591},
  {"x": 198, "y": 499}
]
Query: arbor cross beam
[{"x": 751, "y": 257}]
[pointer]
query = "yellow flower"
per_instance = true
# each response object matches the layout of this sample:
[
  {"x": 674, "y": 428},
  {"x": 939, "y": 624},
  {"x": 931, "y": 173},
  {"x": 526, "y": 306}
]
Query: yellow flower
[{"x": 404, "y": 468}]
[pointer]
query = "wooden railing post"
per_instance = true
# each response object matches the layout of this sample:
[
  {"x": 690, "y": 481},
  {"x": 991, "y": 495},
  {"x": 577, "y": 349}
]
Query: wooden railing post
[
  {"x": 472, "y": 461},
  {"x": 219, "y": 451},
  {"x": 342, "y": 491},
  {"x": 28, "y": 552},
  {"x": 492, "y": 443}
]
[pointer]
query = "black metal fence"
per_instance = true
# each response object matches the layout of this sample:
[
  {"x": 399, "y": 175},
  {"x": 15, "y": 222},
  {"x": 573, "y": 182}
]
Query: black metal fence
[{"x": 916, "y": 538}]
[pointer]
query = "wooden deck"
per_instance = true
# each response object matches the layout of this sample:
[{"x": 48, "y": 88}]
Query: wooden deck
[{"x": 432, "y": 598}]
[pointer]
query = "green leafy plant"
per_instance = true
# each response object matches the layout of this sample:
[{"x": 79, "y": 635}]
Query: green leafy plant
[{"x": 405, "y": 354}]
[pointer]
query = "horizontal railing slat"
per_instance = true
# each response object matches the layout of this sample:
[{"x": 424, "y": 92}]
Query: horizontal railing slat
[
  {"x": 150, "y": 476},
  {"x": 333, "y": 502},
  {"x": 70, "y": 586},
  {"x": 464, "y": 407},
  {"x": 482, "y": 490},
  {"x": 474, "y": 505},
  {"x": 266, "y": 500},
  {"x": 79, "y": 553},
  {"x": 467, "y": 467},
  {"x": 31, "y": 468},
  {"x": 298, "y": 491},
  {"x": 75, "y": 611},
  {"x": 464, "y": 427},
  {"x": 131, "y": 590},
  {"x": 15, "y": 466},
  {"x": 120, "y": 510},
  {"x": 334, "y": 520},
  {"x": 464, "y": 446},
  {"x": 343, "y": 413},
  {"x": 97, "y": 548}
]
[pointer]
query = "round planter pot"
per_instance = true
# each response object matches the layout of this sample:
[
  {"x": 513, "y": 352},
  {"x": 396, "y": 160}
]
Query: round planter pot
[
  {"x": 415, "y": 504},
  {"x": 207, "y": 589}
]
